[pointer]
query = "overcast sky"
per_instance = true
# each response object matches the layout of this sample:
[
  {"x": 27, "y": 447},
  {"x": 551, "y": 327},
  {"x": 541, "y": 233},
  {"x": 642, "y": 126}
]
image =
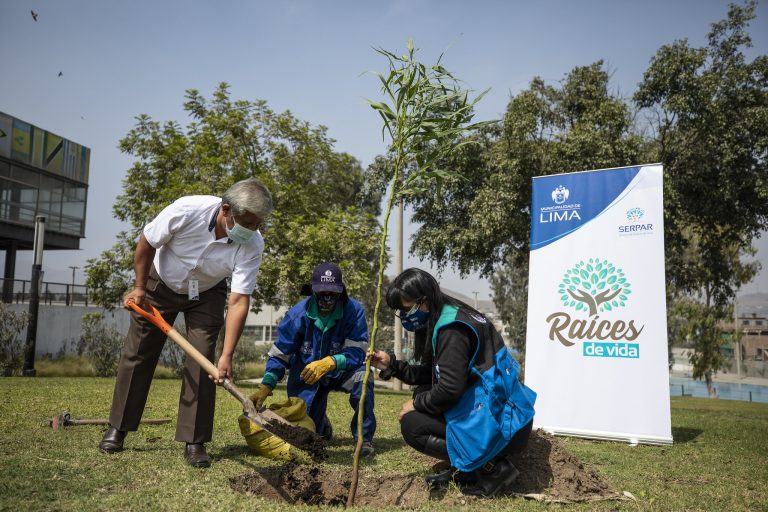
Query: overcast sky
[{"x": 119, "y": 59}]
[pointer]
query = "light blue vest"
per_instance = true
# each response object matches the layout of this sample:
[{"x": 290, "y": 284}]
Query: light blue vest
[{"x": 495, "y": 406}]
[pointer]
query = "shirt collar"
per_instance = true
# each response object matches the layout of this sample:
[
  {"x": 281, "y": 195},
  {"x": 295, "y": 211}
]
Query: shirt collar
[{"x": 212, "y": 223}]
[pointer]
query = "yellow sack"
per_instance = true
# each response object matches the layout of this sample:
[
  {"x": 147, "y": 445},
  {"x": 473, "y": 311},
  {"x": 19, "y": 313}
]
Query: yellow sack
[{"x": 263, "y": 443}]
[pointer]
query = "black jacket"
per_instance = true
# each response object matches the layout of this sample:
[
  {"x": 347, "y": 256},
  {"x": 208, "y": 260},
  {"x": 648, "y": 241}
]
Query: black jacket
[{"x": 447, "y": 372}]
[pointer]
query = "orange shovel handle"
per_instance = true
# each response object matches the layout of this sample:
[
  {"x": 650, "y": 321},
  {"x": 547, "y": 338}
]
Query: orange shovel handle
[{"x": 154, "y": 316}]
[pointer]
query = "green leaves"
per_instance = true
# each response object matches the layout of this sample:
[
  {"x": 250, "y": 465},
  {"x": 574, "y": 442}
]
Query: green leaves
[
  {"x": 425, "y": 114},
  {"x": 709, "y": 109},
  {"x": 594, "y": 284},
  {"x": 228, "y": 140},
  {"x": 11, "y": 345},
  {"x": 482, "y": 219},
  {"x": 710, "y": 106}
]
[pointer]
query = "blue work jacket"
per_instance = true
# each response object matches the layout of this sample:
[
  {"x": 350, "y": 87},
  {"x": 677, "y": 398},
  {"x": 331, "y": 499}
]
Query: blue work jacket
[{"x": 301, "y": 340}]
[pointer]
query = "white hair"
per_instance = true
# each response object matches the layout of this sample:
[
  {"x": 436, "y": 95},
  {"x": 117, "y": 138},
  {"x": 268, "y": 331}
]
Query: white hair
[{"x": 251, "y": 196}]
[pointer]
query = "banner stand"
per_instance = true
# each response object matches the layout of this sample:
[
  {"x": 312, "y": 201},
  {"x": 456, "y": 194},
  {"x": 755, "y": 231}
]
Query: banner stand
[{"x": 596, "y": 344}]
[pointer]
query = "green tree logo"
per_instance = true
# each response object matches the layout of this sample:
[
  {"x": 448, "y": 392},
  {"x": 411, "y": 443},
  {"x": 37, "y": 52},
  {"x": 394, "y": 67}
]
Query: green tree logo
[
  {"x": 594, "y": 285},
  {"x": 635, "y": 214}
]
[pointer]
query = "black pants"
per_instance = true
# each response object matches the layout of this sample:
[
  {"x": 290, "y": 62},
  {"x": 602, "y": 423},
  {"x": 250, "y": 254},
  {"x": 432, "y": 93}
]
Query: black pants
[{"x": 417, "y": 426}]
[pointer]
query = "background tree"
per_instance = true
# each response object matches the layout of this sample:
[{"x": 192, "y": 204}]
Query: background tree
[
  {"x": 323, "y": 209},
  {"x": 485, "y": 221},
  {"x": 100, "y": 343},
  {"x": 510, "y": 293},
  {"x": 709, "y": 111},
  {"x": 482, "y": 223},
  {"x": 11, "y": 344}
]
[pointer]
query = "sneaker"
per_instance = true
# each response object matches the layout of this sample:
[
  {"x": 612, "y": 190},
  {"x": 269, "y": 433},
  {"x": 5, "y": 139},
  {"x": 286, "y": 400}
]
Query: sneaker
[{"x": 367, "y": 449}]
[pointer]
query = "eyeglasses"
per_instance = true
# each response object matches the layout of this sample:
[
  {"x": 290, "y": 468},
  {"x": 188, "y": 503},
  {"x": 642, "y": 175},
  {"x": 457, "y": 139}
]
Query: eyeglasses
[
  {"x": 251, "y": 224},
  {"x": 400, "y": 313}
]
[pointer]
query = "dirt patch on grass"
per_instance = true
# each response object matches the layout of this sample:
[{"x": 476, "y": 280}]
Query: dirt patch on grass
[
  {"x": 313, "y": 485},
  {"x": 548, "y": 472}
]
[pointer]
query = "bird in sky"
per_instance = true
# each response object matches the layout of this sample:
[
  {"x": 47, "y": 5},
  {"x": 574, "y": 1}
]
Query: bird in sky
[
  {"x": 34, "y": 15},
  {"x": 61, "y": 73}
]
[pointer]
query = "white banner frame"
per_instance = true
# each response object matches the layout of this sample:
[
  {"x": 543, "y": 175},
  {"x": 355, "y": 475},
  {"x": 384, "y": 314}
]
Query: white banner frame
[{"x": 596, "y": 344}]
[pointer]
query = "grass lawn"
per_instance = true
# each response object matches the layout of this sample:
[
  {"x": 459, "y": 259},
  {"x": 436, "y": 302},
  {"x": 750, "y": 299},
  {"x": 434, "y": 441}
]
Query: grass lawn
[{"x": 719, "y": 460}]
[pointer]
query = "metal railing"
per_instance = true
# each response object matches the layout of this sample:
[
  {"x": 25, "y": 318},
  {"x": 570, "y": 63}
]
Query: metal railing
[
  {"x": 18, "y": 291},
  {"x": 723, "y": 390}
]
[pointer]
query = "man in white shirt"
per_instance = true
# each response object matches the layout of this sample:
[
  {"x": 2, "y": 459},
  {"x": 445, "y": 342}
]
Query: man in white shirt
[{"x": 182, "y": 260}]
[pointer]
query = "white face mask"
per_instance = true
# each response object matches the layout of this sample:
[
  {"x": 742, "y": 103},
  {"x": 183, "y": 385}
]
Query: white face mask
[{"x": 238, "y": 234}]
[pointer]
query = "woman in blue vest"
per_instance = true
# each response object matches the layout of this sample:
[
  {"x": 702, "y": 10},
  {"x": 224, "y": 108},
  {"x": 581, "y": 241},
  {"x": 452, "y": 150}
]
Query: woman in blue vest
[{"x": 469, "y": 407}]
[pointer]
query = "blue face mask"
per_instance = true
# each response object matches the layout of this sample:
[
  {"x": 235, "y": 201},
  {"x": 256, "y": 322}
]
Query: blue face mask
[
  {"x": 414, "y": 321},
  {"x": 238, "y": 234}
]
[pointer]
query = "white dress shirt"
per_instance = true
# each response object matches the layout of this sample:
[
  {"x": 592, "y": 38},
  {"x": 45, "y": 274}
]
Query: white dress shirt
[{"x": 184, "y": 234}]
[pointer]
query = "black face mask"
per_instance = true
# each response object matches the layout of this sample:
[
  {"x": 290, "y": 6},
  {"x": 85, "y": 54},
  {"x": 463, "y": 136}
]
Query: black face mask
[{"x": 326, "y": 302}]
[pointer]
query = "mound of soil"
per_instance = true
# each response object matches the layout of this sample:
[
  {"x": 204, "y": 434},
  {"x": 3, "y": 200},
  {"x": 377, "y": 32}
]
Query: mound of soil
[{"x": 548, "y": 472}]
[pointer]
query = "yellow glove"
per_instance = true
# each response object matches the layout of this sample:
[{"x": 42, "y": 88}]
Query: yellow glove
[
  {"x": 261, "y": 395},
  {"x": 315, "y": 370}
]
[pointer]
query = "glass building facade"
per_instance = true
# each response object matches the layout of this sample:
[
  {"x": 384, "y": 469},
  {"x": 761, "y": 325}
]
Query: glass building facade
[
  {"x": 41, "y": 174},
  {"x": 25, "y": 193}
]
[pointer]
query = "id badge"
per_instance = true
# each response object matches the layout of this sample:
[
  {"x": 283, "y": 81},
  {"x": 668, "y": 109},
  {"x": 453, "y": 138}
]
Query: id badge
[{"x": 194, "y": 290}]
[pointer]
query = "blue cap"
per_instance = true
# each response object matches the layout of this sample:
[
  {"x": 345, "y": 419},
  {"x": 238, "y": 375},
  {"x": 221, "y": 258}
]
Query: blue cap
[{"x": 327, "y": 278}]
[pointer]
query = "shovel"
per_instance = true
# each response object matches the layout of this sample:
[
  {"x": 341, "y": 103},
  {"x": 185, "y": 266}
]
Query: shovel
[
  {"x": 265, "y": 418},
  {"x": 65, "y": 419}
]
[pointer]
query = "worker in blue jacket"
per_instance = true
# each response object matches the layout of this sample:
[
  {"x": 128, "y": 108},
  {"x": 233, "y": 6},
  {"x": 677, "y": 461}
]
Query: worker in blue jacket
[{"x": 323, "y": 341}]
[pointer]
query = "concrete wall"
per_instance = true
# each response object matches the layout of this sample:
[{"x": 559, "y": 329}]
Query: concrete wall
[{"x": 60, "y": 326}]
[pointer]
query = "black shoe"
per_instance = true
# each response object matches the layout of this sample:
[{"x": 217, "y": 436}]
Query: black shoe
[
  {"x": 367, "y": 449},
  {"x": 493, "y": 478},
  {"x": 112, "y": 442},
  {"x": 196, "y": 455},
  {"x": 441, "y": 479}
]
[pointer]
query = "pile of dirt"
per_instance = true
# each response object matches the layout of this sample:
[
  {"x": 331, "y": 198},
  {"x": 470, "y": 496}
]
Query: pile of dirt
[{"x": 547, "y": 473}]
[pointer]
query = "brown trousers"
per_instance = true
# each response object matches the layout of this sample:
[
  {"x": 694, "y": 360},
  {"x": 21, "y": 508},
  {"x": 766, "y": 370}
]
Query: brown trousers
[{"x": 143, "y": 344}]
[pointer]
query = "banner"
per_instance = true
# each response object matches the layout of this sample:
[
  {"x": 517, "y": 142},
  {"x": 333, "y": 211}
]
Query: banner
[
  {"x": 6, "y": 134},
  {"x": 21, "y": 141},
  {"x": 31, "y": 145},
  {"x": 596, "y": 345}
]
